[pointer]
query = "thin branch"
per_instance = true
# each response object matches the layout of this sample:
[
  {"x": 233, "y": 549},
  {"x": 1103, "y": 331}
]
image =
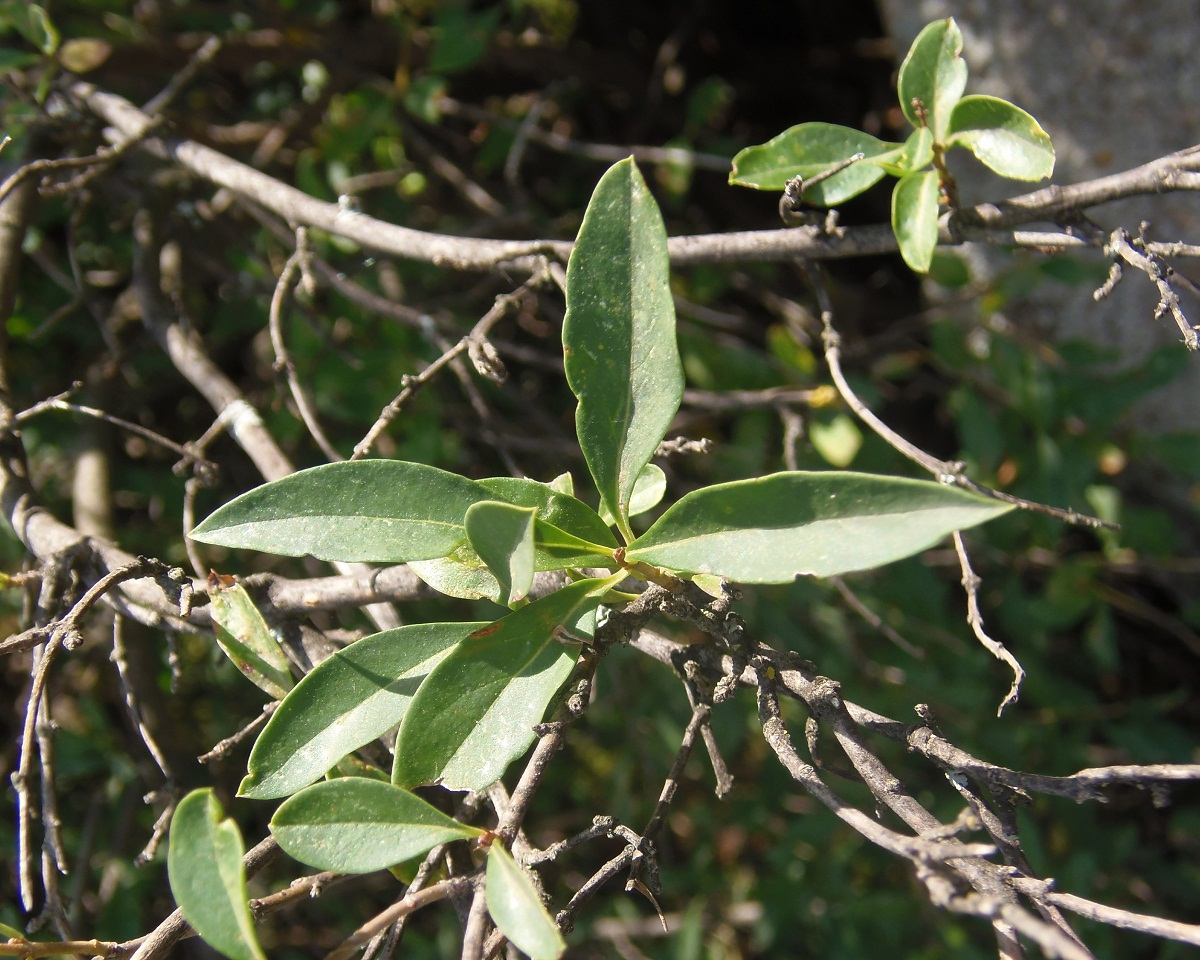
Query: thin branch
[
  {"x": 132, "y": 707},
  {"x": 203, "y": 56},
  {"x": 224, "y": 747},
  {"x": 600, "y": 152},
  {"x": 1160, "y": 274},
  {"x": 1040, "y": 890},
  {"x": 486, "y": 363},
  {"x": 971, "y": 584},
  {"x": 1176, "y": 172},
  {"x": 296, "y": 266},
  {"x": 59, "y": 402}
]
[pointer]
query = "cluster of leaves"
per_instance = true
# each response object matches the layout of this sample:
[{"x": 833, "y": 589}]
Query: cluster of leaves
[
  {"x": 481, "y": 688},
  {"x": 1051, "y": 418},
  {"x": 931, "y": 82}
]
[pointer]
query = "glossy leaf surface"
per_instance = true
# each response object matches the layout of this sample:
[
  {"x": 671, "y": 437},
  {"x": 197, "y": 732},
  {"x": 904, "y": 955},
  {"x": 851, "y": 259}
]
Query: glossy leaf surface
[
  {"x": 915, "y": 218},
  {"x": 386, "y": 511},
  {"x": 244, "y": 636},
  {"x": 774, "y": 528},
  {"x": 916, "y": 154},
  {"x": 806, "y": 150},
  {"x": 935, "y": 75},
  {"x": 648, "y": 492},
  {"x": 208, "y": 881},
  {"x": 502, "y": 535},
  {"x": 1003, "y": 137},
  {"x": 559, "y": 510},
  {"x": 346, "y": 701},
  {"x": 476, "y": 710},
  {"x": 355, "y": 825},
  {"x": 514, "y": 904},
  {"x": 460, "y": 574},
  {"x": 622, "y": 360}
]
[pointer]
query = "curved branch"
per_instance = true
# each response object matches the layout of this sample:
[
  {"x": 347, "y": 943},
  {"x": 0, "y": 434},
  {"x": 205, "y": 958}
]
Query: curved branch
[{"x": 1179, "y": 171}]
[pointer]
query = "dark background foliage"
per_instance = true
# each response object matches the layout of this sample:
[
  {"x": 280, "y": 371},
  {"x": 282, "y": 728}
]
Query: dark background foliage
[{"x": 351, "y": 98}]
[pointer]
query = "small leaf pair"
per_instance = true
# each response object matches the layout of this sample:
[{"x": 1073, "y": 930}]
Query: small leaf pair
[
  {"x": 931, "y": 81},
  {"x": 350, "y": 825}
]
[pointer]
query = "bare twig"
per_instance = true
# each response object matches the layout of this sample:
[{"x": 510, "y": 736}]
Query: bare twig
[
  {"x": 1040, "y": 890},
  {"x": 181, "y": 78},
  {"x": 1176, "y": 172},
  {"x": 1133, "y": 253},
  {"x": 59, "y": 402},
  {"x": 222, "y": 749},
  {"x": 296, "y": 266},
  {"x": 132, "y": 707},
  {"x": 971, "y": 584},
  {"x": 472, "y": 343}
]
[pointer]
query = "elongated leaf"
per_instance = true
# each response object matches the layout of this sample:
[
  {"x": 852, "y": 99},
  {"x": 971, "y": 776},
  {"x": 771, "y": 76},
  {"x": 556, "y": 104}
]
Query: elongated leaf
[
  {"x": 915, "y": 218},
  {"x": 355, "y": 825},
  {"x": 244, "y": 636},
  {"x": 774, "y": 528},
  {"x": 934, "y": 76},
  {"x": 475, "y": 712},
  {"x": 561, "y": 549},
  {"x": 502, "y": 535},
  {"x": 32, "y": 22},
  {"x": 348, "y": 700},
  {"x": 806, "y": 150},
  {"x": 385, "y": 511},
  {"x": 204, "y": 866},
  {"x": 1003, "y": 137},
  {"x": 619, "y": 348},
  {"x": 647, "y": 492},
  {"x": 515, "y": 906}
]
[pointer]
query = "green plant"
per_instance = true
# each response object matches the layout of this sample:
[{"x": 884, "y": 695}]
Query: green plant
[
  {"x": 932, "y": 78},
  {"x": 467, "y": 696}
]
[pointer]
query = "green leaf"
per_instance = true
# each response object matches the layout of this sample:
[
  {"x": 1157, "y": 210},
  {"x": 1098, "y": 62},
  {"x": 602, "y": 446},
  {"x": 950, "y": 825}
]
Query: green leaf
[
  {"x": 934, "y": 75},
  {"x": 564, "y": 550},
  {"x": 915, "y": 218},
  {"x": 1003, "y": 137},
  {"x": 916, "y": 154},
  {"x": 647, "y": 492},
  {"x": 208, "y": 881},
  {"x": 502, "y": 535},
  {"x": 345, "y": 702},
  {"x": 355, "y": 825},
  {"x": 423, "y": 98},
  {"x": 32, "y": 22},
  {"x": 16, "y": 60},
  {"x": 84, "y": 53},
  {"x": 475, "y": 712},
  {"x": 558, "y": 510},
  {"x": 837, "y": 441},
  {"x": 461, "y": 574},
  {"x": 244, "y": 636},
  {"x": 774, "y": 528},
  {"x": 806, "y": 150},
  {"x": 619, "y": 348},
  {"x": 515, "y": 906},
  {"x": 386, "y": 511}
]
